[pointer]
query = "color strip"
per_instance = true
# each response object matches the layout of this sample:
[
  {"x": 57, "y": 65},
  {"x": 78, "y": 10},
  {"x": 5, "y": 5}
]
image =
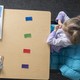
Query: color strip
[
  {"x": 26, "y": 51},
  {"x": 25, "y": 66},
  {"x": 27, "y": 35},
  {"x": 28, "y": 18}
]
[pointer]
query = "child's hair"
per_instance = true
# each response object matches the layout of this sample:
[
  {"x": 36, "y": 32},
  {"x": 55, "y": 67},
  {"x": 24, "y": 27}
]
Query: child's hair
[{"x": 72, "y": 28}]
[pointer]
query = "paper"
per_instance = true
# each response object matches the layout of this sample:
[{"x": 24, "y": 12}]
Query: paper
[{"x": 1, "y": 19}]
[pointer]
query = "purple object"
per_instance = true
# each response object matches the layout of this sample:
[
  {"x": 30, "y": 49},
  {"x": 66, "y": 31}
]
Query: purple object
[
  {"x": 62, "y": 16},
  {"x": 25, "y": 66}
]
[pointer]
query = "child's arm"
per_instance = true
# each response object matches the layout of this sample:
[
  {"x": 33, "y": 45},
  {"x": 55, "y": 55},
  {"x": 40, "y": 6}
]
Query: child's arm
[
  {"x": 51, "y": 36},
  {"x": 61, "y": 41}
]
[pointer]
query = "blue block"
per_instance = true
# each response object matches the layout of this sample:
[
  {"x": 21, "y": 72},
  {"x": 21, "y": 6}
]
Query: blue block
[{"x": 28, "y": 18}]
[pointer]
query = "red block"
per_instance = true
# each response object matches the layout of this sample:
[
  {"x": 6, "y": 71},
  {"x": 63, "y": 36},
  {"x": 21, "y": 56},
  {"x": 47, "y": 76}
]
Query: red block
[{"x": 26, "y": 50}]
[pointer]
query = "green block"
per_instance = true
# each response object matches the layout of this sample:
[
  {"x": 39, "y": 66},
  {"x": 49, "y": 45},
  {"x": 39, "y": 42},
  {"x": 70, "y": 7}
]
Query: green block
[{"x": 27, "y": 35}]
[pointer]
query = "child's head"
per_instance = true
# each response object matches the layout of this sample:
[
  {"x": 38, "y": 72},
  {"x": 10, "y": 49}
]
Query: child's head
[{"x": 72, "y": 29}]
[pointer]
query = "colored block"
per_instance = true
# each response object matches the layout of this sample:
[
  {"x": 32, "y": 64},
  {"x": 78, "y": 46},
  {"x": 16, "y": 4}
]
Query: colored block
[
  {"x": 26, "y": 51},
  {"x": 25, "y": 66},
  {"x": 28, "y": 18},
  {"x": 27, "y": 35}
]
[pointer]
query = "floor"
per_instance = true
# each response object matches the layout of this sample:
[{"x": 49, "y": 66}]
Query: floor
[{"x": 56, "y": 75}]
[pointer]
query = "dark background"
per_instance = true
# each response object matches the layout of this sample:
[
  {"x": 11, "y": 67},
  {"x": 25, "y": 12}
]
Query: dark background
[{"x": 71, "y": 7}]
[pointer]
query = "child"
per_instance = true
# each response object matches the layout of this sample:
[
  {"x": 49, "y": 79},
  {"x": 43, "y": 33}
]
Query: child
[{"x": 66, "y": 33}]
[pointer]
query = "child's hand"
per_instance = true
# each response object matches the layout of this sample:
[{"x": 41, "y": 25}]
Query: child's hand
[
  {"x": 56, "y": 28},
  {"x": 60, "y": 26},
  {"x": 60, "y": 23}
]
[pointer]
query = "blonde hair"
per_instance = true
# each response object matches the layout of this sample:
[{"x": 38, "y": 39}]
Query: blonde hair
[{"x": 72, "y": 29}]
